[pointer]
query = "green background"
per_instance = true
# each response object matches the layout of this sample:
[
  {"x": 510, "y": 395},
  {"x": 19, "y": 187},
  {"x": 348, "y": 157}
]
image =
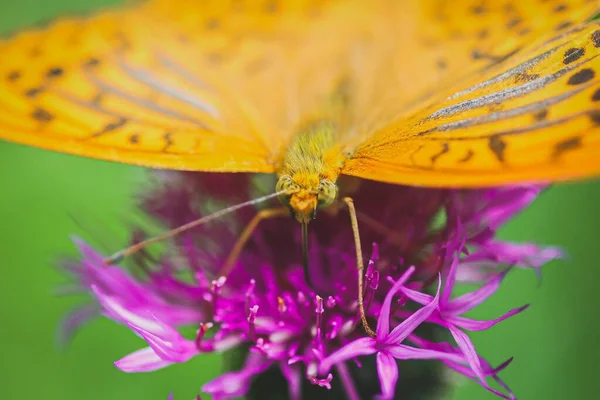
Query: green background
[{"x": 46, "y": 197}]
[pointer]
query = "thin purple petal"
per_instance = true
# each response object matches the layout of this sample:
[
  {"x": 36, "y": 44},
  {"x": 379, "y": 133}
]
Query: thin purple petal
[
  {"x": 401, "y": 332},
  {"x": 466, "y": 345},
  {"x": 383, "y": 322},
  {"x": 143, "y": 360},
  {"x": 404, "y": 352},
  {"x": 387, "y": 370},
  {"x": 236, "y": 384},
  {"x": 359, "y": 347},
  {"x": 473, "y": 325},
  {"x": 418, "y": 297},
  {"x": 293, "y": 376},
  {"x": 467, "y": 302},
  {"x": 451, "y": 276}
]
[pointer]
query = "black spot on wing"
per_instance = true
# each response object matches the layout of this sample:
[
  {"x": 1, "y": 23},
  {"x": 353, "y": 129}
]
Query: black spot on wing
[
  {"x": 573, "y": 54},
  {"x": 134, "y": 139},
  {"x": 33, "y": 92},
  {"x": 596, "y": 95},
  {"x": 560, "y": 8},
  {"x": 497, "y": 146},
  {"x": 436, "y": 156},
  {"x": 54, "y": 72},
  {"x": 564, "y": 146},
  {"x": 91, "y": 62},
  {"x": 513, "y": 22},
  {"x": 479, "y": 9},
  {"x": 112, "y": 126},
  {"x": 467, "y": 157},
  {"x": 167, "y": 137},
  {"x": 524, "y": 77},
  {"x": 582, "y": 76},
  {"x": 13, "y": 76},
  {"x": 596, "y": 38},
  {"x": 563, "y": 25},
  {"x": 541, "y": 115},
  {"x": 41, "y": 115},
  {"x": 595, "y": 116},
  {"x": 524, "y": 31}
]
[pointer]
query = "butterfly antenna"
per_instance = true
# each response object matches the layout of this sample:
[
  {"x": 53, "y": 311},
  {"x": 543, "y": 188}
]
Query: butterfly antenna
[
  {"x": 117, "y": 257},
  {"x": 359, "y": 265}
]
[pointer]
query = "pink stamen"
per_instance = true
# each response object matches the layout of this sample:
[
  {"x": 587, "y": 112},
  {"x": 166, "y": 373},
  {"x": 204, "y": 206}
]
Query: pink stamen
[
  {"x": 281, "y": 307},
  {"x": 251, "y": 319},
  {"x": 326, "y": 383},
  {"x": 201, "y": 332},
  {"x": 319, "y": 310}
]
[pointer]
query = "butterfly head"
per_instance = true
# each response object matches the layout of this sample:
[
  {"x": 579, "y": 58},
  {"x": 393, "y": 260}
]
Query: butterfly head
[{"x": 305, "y": 193}]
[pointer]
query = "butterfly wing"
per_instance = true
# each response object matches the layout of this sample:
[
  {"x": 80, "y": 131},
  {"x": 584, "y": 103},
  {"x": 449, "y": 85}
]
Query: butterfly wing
[
  {"x": 168, "y": 84},
  {"x": 525, "y": 107}
]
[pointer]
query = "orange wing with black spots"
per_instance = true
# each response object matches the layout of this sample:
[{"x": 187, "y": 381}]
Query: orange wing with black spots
[
  {"x": 182, "y": 85},
  {"x": 431, "y": 92},
  {"x": 534, "y": 117}
]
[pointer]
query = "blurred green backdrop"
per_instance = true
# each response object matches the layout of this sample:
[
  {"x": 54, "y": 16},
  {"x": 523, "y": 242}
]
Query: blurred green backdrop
[{"x": 556, "y": 342}]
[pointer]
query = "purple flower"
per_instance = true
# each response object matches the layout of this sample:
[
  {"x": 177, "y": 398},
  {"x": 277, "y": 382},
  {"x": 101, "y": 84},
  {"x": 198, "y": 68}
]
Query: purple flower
[
  {"x": 388, "y": 345},
  {"x": 265, "y": 309}
]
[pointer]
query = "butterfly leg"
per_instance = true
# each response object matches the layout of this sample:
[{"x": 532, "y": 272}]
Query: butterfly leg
[
  {"x": 247, "y": 233},
  {"x": 359, "y": 265}
]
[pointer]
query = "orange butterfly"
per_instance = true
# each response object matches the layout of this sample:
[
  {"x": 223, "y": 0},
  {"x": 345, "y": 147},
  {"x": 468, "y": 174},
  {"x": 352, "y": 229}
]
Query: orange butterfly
[{"x": 462, "y": 93}]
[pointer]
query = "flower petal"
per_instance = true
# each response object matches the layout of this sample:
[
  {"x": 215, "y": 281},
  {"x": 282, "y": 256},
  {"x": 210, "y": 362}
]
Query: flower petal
[
  {"x": 360, "y": 347},
  {"x": 383, "y": 322},
  {"x": 400, "y": 332},
  {"x": 468, "y": 349},
  {"x": 507, "y": 202},
  {"x": 143, "y": 360},
  {"x": 404, "y": 352},
  {"x": 387, "y": 370},
  {"x": 468, "y": 301},
  {"x": 237, "y": 383},
  {"x": 453, "y": 248},
  {"x": 473, "y": 325},
  {"x": 418, "y": 297},
  {"x": 467, "y": 372},
  {"x": 167, "y": 342},
  {"x": 293, "y": 376},
  {"x": 73, "y": 321}
]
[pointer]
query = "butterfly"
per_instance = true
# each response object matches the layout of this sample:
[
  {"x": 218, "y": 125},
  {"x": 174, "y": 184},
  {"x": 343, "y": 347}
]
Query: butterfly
[{"x": 440, "y": 93}]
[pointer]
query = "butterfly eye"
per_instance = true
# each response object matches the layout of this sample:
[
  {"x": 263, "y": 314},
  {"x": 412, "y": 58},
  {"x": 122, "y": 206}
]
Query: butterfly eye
[
  {"x": 327, "y": 193},
  {"x": 286, "y": 184}
]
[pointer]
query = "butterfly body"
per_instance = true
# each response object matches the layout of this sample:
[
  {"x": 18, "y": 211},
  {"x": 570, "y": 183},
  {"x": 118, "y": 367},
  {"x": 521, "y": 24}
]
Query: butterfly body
[{"x": 310, "y": 169}]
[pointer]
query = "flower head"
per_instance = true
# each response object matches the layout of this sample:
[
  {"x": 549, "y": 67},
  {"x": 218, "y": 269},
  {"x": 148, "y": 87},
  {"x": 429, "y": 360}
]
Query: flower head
[{"x": 310, "y": 333}]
